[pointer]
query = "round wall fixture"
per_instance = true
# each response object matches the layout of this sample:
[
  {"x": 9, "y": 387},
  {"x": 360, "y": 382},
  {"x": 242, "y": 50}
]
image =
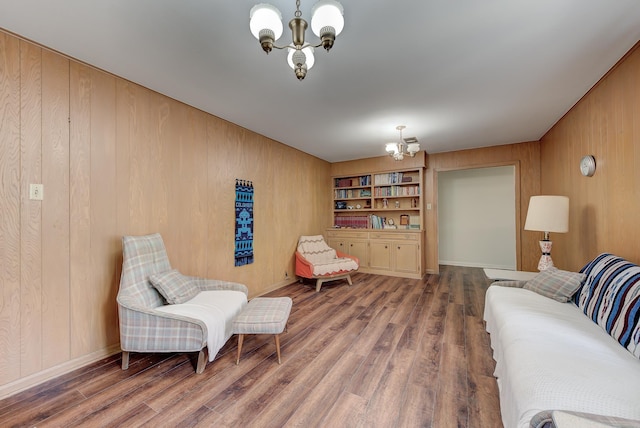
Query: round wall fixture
[{"x": 588, "y": 165}]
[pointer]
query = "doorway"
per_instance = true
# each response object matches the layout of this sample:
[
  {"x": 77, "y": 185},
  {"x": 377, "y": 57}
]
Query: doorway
[{"x": 477, "y": 217}]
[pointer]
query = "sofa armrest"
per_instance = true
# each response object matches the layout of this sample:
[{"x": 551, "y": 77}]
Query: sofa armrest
[
  {"x": 550, "y": 418},
  {"x": 148, "y": 330},
  {"x": 349, "y": 256},
  {"x": 304, "y": 268},
  {"x": 205, "y": 284},
  {"x": 513, "y": 284}
]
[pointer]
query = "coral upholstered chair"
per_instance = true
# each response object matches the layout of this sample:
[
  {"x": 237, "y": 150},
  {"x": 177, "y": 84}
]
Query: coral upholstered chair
[
  {"x": 161, "y": 310},
  {"x": 316, "y": 260}
]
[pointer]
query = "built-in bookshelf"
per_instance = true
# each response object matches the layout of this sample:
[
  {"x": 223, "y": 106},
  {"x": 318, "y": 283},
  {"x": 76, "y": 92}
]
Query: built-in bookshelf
[
  {"x": 378, "y": 214},
  {"x": 385, "y": 200}
]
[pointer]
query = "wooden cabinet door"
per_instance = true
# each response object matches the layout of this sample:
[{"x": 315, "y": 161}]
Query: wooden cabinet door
[
  {"x": 380, "y": 255},
  {"x": 360, "y": 249},
  {"x": 407, "y": 257},
  {"x": 338, "y": 245}
]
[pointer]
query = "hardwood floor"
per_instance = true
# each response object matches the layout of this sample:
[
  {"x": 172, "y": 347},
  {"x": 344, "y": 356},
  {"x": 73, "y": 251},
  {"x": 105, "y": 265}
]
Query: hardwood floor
[{"x": 385, "y": 352}]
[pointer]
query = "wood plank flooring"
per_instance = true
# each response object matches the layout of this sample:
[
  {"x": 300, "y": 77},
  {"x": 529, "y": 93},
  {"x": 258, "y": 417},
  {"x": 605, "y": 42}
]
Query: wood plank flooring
[{"x": 385, "y": 352}]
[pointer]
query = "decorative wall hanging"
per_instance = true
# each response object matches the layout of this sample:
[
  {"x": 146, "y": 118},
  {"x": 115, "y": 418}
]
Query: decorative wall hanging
[{"x": 244, "y": 223}]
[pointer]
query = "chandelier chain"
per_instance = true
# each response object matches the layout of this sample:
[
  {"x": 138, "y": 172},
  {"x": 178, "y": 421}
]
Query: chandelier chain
[{"x": 298, "y": 13}]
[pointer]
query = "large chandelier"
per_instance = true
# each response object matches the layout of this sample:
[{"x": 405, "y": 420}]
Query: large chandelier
[
  {"x": 404, "y": 147},
  {"x": 327, "y": 22}
]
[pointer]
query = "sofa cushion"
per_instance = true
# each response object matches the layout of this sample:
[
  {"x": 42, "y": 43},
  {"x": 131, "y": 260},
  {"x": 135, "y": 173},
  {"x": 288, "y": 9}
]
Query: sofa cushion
[
  {"x": 174, "y": 287},
  {"x": 610, "y": 296},
  {"x": 556, "y": 284}
]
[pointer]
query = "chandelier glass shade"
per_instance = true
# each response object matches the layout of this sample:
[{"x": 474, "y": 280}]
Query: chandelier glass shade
[
  {"x": 327, "y": 22},
  {"x": 404, "y": 147}
]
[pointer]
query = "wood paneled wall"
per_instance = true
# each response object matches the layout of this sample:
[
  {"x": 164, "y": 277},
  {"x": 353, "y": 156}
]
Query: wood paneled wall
[
  {"x": 118, "y": 159},
  {"x": 526, "y": 159},
  {"x": 603, "y": 209}
]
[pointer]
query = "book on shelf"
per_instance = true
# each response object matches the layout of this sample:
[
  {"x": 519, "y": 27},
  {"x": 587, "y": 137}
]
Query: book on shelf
[
  {"x": 398, "y": 191},
  {"x": 390, "y": 178},
  {"x": 361, "y": 181},
  {"x": 378, "y": 222},
  {"x": 351, "y": 221}
]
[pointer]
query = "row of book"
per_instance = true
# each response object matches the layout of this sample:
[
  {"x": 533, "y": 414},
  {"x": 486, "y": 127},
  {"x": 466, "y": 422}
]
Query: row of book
[
  {"x": 352, "y": 221},
  {"x": 351, "y": 193},
  {"x": 378, "y": 222},
  {"x": 360, "y": 221},
  {"x": 364, "y": 180},
  {"x": 373, "y": 222},
  {"x": 390, "y": 178},
  {"x": 397, "y": 191}
]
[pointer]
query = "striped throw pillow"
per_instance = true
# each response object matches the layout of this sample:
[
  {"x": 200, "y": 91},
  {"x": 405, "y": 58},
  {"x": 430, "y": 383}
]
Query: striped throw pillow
[{"x": 611, "y": 298}]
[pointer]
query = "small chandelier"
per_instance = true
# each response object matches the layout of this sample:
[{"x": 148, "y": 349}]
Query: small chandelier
[
  {"x": 407, "y": 147},
  {"x": 327, "y": 22}
]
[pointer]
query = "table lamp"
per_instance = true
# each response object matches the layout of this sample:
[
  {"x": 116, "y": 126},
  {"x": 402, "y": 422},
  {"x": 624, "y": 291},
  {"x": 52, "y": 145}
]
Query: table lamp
[{"x": 547, "y": 214}]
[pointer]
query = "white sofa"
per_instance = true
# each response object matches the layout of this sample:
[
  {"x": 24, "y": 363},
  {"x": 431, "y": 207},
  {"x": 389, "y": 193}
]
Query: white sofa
[{"x": 552, "y": 356}]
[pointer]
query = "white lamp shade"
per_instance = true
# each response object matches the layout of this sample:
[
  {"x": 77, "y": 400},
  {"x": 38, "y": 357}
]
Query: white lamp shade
[
  {"x": 265, "y": 16},
  {"x": 548, "y": 214},
  {"x": 308, "y": 52},
  {"x": 413, "y": 148},
  {"x": 391, "y": 147},
  {"x": 327, "y": 13}
]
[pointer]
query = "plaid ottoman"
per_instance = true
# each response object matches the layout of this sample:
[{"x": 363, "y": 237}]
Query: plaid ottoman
[{"x": 263, "y": 315}]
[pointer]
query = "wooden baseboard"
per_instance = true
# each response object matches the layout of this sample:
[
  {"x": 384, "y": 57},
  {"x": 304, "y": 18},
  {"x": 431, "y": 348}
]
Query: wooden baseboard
[
  {"x": 276, "y": 286},
  {"x": 390, "y": 273},
  {"x": 52, "y": 372}
]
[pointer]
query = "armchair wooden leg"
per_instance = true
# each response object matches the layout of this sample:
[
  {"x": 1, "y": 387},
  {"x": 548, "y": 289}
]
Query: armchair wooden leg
[
  {"x": 202, "y": 361},
  {"x": 240, "y": 340},
  {"x": 349, "y": 280},
  {"x": 125, "y": 360}
]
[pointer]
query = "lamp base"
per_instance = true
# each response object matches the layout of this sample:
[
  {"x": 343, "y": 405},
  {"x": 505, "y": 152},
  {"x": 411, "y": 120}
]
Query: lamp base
[{"x": 545, "y": 260}]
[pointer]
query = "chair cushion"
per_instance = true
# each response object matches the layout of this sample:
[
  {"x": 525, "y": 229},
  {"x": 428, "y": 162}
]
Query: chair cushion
[
  {"x": 556, "y": 284},
  {"x": 174, "y": 287},
  {"x": 343, "y": 264},
  {"x": 315, "y": 249},
  {"x": 263, "y": 315}
]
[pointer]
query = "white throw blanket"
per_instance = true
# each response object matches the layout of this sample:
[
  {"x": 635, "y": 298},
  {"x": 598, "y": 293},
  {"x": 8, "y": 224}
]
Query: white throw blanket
[{"x": 217, "y": 309}]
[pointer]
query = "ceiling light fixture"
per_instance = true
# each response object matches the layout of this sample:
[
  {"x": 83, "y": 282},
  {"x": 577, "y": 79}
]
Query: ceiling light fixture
[
  {"x": 327, "y": 22},
  {"x": 405, "y": 147}
]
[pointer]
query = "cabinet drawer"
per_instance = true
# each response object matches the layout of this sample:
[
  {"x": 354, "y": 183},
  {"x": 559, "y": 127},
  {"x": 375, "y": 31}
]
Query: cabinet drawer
[
  {"x": 395, "y": 236},
  {"x": 346, "y": 234}
]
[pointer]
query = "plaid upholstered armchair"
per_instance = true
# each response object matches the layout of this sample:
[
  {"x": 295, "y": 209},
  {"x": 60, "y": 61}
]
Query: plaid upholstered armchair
[{"x": 161, "y": 310}]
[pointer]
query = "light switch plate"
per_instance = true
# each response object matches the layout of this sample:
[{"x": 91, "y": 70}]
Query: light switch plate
[{"x": 36, "y": 192}]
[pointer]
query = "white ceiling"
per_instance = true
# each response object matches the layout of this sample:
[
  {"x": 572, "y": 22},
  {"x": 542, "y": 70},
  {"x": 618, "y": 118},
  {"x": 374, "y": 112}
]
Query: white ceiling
[{"x": 459, "y": 74}]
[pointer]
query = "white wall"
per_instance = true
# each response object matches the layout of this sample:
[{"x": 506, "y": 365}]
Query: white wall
[{"x": 477, "y": 217}]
